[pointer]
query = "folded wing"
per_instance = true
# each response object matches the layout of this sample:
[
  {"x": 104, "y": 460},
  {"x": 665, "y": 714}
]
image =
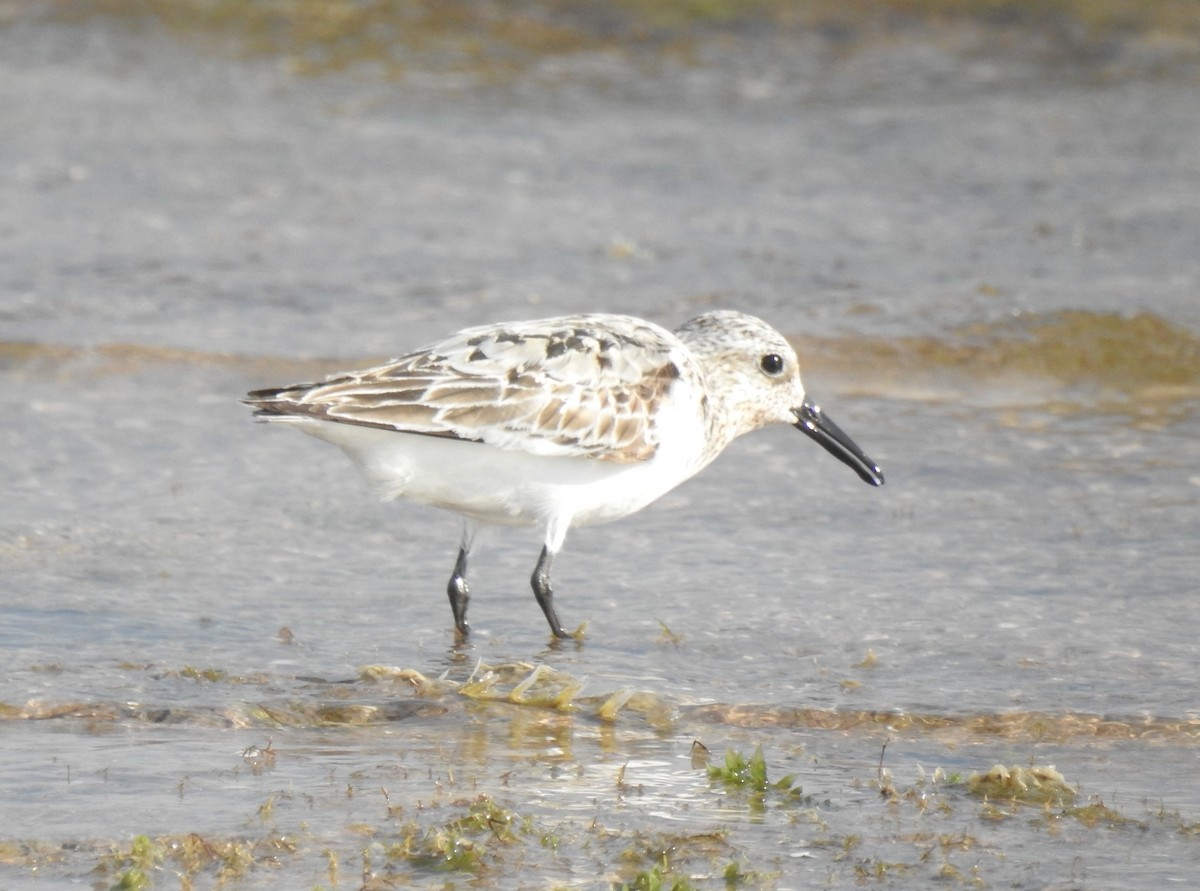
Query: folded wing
[{"x": 580, "y": 387}]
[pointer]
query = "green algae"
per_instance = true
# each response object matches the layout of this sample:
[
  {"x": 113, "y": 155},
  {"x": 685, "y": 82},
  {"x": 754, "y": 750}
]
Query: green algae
[
  {"x": 1028, "y": 785},
  {"x": 737, "y": 772}
]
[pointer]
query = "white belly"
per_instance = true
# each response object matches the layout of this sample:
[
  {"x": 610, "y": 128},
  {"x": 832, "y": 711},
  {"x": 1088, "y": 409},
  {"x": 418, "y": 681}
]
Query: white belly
[{"x": 504, "y": 486}]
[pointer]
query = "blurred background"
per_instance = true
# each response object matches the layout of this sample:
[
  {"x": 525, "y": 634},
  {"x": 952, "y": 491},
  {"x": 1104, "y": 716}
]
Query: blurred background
[{"x": 978, "y": 221}]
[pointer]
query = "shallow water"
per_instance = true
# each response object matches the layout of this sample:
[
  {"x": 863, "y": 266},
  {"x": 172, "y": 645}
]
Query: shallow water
[{"x": 993, "y": 287}]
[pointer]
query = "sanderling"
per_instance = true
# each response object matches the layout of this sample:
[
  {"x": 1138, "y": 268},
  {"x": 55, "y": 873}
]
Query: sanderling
[{"x": 558, "y": 422}]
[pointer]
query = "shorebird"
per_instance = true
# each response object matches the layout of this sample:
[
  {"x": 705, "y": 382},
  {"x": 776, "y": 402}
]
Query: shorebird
[{"x": 558, "y": 422}]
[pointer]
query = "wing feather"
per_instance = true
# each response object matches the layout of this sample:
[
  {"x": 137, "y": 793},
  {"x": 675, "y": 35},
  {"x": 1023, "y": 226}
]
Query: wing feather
[{"x": 580, "y": 385}]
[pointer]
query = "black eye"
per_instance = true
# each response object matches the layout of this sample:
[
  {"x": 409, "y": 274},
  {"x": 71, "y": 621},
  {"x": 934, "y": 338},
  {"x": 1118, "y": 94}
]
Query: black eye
[{"x": 772, "y": 364}]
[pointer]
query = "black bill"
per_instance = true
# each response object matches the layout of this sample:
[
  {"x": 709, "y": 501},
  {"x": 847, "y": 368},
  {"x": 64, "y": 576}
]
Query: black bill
[{"x": 833, "y": 439}]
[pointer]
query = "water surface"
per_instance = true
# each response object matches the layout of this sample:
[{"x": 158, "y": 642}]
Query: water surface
[{"x": 223, "y": 663}]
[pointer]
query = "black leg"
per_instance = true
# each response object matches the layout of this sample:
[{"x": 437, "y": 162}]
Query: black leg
[
  {"x": 545, "y": 596},
  {"x": 460, "y": 595}
]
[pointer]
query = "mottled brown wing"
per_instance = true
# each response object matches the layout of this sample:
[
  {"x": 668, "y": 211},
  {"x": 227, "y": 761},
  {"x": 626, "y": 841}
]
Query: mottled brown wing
[{"x": 573, "y": 386}]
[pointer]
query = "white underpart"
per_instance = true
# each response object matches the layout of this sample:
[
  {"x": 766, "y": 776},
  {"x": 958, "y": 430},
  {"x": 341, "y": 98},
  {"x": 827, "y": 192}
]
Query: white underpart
[{"x": 511, "y": 486}]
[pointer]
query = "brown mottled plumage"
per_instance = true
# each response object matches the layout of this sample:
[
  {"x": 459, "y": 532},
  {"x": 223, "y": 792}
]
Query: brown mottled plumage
[{"x": 564, "y": 390}]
